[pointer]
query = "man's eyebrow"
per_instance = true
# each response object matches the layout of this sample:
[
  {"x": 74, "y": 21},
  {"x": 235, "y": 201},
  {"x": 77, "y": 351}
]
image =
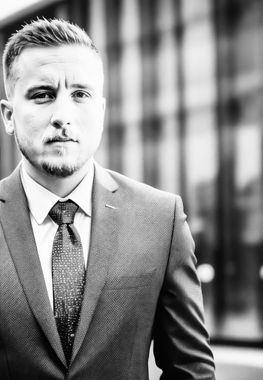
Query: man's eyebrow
[{"x": 81, "y": 85}]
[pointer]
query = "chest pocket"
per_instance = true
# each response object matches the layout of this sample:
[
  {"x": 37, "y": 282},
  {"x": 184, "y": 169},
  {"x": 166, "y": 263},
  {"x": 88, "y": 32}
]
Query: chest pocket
[{"x": 127, "y": 282}]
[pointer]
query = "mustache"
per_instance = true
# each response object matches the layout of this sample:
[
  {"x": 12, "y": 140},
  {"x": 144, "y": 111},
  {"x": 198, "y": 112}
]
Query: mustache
[{"x": 59, "y": 137}]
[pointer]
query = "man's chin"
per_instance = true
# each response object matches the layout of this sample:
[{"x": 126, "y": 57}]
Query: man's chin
[{"x": 61, "y": 171}]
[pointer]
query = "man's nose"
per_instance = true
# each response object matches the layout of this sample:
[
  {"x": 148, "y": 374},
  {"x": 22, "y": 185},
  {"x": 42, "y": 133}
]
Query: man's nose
[{"x": 62, "y": 113}]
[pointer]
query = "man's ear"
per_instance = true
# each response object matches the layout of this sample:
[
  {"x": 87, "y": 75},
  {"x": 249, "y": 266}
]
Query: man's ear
[{"x": 7, "y": 115}]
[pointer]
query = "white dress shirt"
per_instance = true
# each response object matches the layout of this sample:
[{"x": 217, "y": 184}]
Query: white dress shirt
[{"x": 40, "y": 201}]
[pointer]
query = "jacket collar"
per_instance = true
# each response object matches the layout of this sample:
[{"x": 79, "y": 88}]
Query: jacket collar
[{"x": 11, "y": 186}]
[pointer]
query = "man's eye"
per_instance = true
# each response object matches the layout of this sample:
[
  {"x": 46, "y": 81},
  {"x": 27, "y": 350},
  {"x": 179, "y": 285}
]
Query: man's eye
[
  {"x": 81, "y": 95},
  {"x": 42, "y": 97}
]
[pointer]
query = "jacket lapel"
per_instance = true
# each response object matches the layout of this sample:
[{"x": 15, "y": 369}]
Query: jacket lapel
[
  {"x": 15, "y": 220},
  {"x": 105, "y": 221}
]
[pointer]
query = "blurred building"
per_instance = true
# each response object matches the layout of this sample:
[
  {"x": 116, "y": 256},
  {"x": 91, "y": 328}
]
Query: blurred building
[{"x": 184, "y": 88}]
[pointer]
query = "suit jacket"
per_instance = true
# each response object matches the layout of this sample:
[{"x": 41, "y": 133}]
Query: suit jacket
[{"x": 141, "y": 285}]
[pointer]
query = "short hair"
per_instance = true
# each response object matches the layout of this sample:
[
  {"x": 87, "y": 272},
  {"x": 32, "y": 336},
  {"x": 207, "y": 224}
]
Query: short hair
[{"x": 41, "y": 32}]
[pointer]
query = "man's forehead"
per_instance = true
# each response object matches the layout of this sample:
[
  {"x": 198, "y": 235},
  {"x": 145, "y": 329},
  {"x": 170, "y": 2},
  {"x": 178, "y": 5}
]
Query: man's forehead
[{"x": 50, "y": 64}]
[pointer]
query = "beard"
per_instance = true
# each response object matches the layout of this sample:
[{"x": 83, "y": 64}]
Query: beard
[
  {"x": 62, "y": 171},
  {"x": 51, "y": 169}
]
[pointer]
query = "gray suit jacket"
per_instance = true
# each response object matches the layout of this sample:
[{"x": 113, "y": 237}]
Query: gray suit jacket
[{"x": 141, "y": 285}]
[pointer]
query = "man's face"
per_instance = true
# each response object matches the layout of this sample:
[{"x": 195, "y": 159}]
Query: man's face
[{"x": 56, "y": 111}]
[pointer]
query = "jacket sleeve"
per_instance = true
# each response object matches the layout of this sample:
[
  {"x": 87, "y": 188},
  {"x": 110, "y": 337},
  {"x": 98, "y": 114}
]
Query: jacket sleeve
[{"x": 181, "y": 342}]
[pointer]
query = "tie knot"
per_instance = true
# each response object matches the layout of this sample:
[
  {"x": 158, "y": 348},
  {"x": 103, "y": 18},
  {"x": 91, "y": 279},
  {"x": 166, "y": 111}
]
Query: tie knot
[{"x": 63, "y": 212}]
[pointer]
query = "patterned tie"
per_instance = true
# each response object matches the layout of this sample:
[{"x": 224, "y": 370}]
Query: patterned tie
[{"x": 68, "y": 274}]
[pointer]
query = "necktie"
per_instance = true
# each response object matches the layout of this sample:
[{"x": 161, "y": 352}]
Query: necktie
[{"x": 68, "y": 274}]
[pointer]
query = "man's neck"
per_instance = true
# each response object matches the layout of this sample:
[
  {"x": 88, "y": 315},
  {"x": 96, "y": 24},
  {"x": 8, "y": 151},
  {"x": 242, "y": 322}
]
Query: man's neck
[{"x": 59, "y": 186}]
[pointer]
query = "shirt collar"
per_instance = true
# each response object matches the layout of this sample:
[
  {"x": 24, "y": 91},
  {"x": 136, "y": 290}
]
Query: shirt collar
[{"x": 41, "y": 200}]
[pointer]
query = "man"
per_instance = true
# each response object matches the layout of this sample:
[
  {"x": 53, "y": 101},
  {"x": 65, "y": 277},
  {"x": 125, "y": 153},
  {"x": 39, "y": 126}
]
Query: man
[{"x": 93, "y": 265}]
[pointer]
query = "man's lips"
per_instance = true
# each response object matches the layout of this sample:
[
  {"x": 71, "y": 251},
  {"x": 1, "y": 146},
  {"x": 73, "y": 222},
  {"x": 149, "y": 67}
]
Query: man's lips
[{"x": 60, "y": 140}]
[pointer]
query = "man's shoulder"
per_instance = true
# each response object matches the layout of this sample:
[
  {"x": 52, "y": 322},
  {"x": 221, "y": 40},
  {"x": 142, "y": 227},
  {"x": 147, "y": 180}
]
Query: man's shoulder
[
  {"x": 142, "y": 192},
  {"x": 10, "y": 183}
]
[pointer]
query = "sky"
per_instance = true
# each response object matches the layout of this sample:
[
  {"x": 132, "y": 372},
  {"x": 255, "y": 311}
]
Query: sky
[{"x": 7, "y": 7}]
